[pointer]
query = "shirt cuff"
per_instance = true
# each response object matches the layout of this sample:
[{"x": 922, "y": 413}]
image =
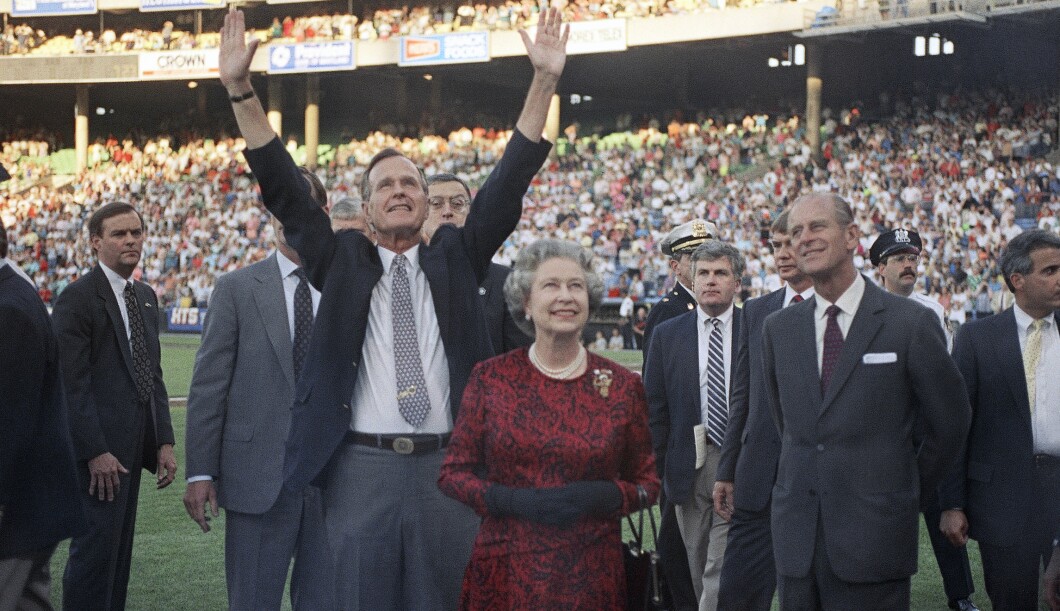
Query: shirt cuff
[{"x": 200, "y": 478}]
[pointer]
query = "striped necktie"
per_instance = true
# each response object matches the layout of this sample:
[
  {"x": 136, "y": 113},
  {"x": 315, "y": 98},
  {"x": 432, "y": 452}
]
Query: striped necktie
[{"x": 717, "y": 399}]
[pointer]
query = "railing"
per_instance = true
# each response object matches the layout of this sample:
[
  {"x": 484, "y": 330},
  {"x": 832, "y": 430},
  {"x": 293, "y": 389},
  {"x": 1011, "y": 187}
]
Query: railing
[{"x": 882, "y": 12}]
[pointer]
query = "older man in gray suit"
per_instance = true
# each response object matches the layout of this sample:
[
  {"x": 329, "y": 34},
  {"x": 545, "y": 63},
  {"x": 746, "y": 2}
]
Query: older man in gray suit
[
  {"x": 239, "y": 411},
  {"x": 848, "y": 372}
]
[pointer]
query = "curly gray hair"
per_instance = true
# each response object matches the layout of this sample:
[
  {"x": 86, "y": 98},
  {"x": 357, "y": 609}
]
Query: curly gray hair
[{"x": 517, "y": 286}]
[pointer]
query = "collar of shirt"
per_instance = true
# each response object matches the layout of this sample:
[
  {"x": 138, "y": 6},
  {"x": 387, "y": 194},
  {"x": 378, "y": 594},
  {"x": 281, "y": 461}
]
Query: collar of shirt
[
  {"x": 287, "y": 266},
  {"x": 412, "y": 254},
  {"x": 1023, "y": 323},
  {"x": 848, "y": 302},
  {"x": 3, "y": 263},
  {"x": 725, "y": 317},
  {"x": 789, "y": 294},
  {"x": 116, "y": 282}
]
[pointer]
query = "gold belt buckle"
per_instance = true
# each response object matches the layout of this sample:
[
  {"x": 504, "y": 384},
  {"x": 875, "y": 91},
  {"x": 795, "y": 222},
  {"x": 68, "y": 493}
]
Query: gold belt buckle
[{"x": 403, "y": 445}]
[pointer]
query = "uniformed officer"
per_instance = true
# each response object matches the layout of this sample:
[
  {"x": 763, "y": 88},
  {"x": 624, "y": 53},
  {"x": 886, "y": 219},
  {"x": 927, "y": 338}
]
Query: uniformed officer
[
  {"x": 678, "y": 245},
  {"x": 896, "y": 255}
]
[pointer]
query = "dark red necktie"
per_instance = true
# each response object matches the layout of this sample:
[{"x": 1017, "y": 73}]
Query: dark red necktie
[
  {"x": 833, "y": 345},
  {"x": 796, "y": 299}
]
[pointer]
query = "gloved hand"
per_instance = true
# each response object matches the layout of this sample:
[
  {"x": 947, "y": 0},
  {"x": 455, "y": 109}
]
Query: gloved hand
[{"x": 560, "y": 506}]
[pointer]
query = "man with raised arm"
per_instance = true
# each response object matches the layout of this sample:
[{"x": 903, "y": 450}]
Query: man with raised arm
[{"x": 398, "y": 329}]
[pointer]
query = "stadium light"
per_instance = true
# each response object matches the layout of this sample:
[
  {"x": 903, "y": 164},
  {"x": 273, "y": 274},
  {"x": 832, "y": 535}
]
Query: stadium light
[
  {"x": 192, "y": 84},
  {"x": 100, "y": 111},
  {"x": 948, "y": 47},
  {"x": 800, "y": 54},
  {"x": 575, "y": 98},
  {"x": 774, "y": 62},
  {"x": 587, "y": 98},
  {"x": 427, "y": 77},
  {"x": 920, "y": 46},
  {"x": 934, "y": 45}
]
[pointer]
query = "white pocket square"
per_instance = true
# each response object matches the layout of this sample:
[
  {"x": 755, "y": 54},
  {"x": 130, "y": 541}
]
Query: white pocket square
[{"x": 879, "y": 358}]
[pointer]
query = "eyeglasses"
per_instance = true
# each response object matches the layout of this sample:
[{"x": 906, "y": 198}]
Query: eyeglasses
[
  {"x": 909, "y": 258},
  {"x": 457, "y": 203}
]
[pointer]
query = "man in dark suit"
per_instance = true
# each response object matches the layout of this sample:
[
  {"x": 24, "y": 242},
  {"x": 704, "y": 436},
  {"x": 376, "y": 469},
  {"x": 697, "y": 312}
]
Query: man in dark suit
[
  {"x": 39, "y": 501},
  {"x": 399, "y": 328},
  {"x": 1005, "y": 492},
  {"x": 449, "y": 201},
  {"x": 239, "y": 413},
  {"x": 679, "y": 245},
  {"x": 748, "y": 464},
  {"x": 119, "y": 411},
  {"x": 688, "y": 419},
  {"x": 848, "y": 374}
]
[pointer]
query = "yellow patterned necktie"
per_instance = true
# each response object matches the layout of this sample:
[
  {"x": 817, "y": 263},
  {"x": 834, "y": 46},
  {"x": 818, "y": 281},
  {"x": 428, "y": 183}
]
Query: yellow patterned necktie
[{"x": 1031, "y": 355}]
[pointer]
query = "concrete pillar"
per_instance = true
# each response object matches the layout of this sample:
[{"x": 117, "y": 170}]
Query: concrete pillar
[
  {"x": 81, "y": 127},
  {"x": 814, "y": 63},
  {"x": 552, "y": 121},
  {"x": 276, "y": 104},
  {"x": 312, "y": 119},
  {"x": 435, "y": 97}
]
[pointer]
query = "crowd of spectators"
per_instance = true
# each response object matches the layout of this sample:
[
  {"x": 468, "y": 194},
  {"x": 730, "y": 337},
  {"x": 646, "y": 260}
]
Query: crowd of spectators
[
  {"x": 958, "y": 168},
  {"x": 378, "y": 24}
]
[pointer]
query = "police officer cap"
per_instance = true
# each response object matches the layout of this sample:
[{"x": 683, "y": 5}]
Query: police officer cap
[
  {"x": 893, "y": 241},
  {"x": 685, "y": 238}
]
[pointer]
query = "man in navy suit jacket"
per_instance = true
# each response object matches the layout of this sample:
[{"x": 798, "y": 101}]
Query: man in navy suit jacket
[
  {"x": 398, "y": 543},
  {"x": 687, "y": 380},
  {"x": 748, "y": 465},
  {"x": 39, "y": 501},
  {"x": 1006, "y": 491}
]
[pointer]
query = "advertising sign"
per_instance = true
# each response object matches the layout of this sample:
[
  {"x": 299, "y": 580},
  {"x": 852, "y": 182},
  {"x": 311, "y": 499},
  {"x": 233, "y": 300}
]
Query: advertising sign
[
  {"x": 598, "y": 36},
  {"x": 185, "y": 320},
  {"x": 311, "y": 57},
  {"x": 163, "y": 65},
  {"x": 35, "y": 8},
  {"x": 462, "y": 48}
]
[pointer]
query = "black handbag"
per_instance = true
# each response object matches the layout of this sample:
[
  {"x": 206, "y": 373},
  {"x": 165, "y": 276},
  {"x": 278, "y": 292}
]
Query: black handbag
[{"x": 643, "y": 578}]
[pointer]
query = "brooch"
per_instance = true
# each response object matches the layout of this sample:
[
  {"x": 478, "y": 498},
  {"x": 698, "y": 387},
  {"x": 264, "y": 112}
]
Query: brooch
[{"x": 602, "y": 381}]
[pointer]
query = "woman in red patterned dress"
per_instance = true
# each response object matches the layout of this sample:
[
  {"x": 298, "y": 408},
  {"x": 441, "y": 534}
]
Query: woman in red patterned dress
[{"x": 550, "y": 447}]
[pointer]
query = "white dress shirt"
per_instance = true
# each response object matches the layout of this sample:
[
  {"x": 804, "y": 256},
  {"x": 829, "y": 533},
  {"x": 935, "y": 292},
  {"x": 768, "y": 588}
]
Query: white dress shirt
[
  {"x": 375, "y": 392},
  {"x": 939, "y": 311},
  {"x": 117, "y": 284},
  {"x": 705, "y": 328},
  {"x": 290, "y": 284},
  {"x": 848, "y": 304},
  {"x": 789, "y": 294},
  {"x": 1045, "y": 421}
]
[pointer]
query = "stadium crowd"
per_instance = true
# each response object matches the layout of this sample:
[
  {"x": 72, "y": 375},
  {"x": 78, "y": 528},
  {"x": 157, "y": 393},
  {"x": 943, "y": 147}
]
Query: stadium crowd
[
  {"x": 959, "y": 168},
  {"x": 383, "y": 23}
]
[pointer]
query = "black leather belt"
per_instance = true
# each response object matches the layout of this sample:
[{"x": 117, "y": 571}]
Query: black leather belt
[{"x": 402, "y": 444}]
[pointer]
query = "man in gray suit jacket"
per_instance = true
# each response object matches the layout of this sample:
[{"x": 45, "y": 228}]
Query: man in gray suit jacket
[
  {"x": 847, "y": 374},
  {"x": 239, "y": 413}
]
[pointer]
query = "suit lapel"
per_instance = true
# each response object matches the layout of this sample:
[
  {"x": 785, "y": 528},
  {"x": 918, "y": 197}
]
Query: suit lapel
[
  {"x": 106, "y": 293},
  {"x": 689, "y": 345},
  {"x": 805, "y": 338},
  {"x": 434, "y": 265},
  {"x": 271, "y": 302},
  {"x": 1007, "y": 341},
  {"x": 863, "y": 328}
]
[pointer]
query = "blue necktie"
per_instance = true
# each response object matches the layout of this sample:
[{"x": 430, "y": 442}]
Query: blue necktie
[{"x": 413, "y": 401}]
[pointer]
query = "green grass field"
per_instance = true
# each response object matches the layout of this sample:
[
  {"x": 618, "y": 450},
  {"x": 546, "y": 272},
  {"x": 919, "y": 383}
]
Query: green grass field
[{"x": 176, "y": 566}]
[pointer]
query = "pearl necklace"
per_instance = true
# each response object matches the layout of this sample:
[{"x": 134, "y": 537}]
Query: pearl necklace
[{"x": 562, "y": 373}]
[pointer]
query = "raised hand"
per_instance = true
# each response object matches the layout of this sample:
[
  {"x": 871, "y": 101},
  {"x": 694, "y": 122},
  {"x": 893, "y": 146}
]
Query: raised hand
[
  {"x": 548, "y": 50},
  {"x": 236, "y": 54}
]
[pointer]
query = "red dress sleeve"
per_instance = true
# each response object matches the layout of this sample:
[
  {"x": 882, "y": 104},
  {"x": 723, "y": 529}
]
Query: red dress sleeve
[{"x": 466, "y": 454}]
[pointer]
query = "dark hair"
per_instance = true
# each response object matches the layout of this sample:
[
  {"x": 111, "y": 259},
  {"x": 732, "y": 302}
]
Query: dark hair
[
  {"x": 95, "y": 222},
  {"x": 780, "y": 225},
  {"x": 387, "y": 153},
  {"x": 3, "y": 239},
  {"x": 1017, "y": 257},
  {"x": 316, "y": 188},
  {"x": 712, "y": 250},
  {"x": 444, "y": 177}
]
